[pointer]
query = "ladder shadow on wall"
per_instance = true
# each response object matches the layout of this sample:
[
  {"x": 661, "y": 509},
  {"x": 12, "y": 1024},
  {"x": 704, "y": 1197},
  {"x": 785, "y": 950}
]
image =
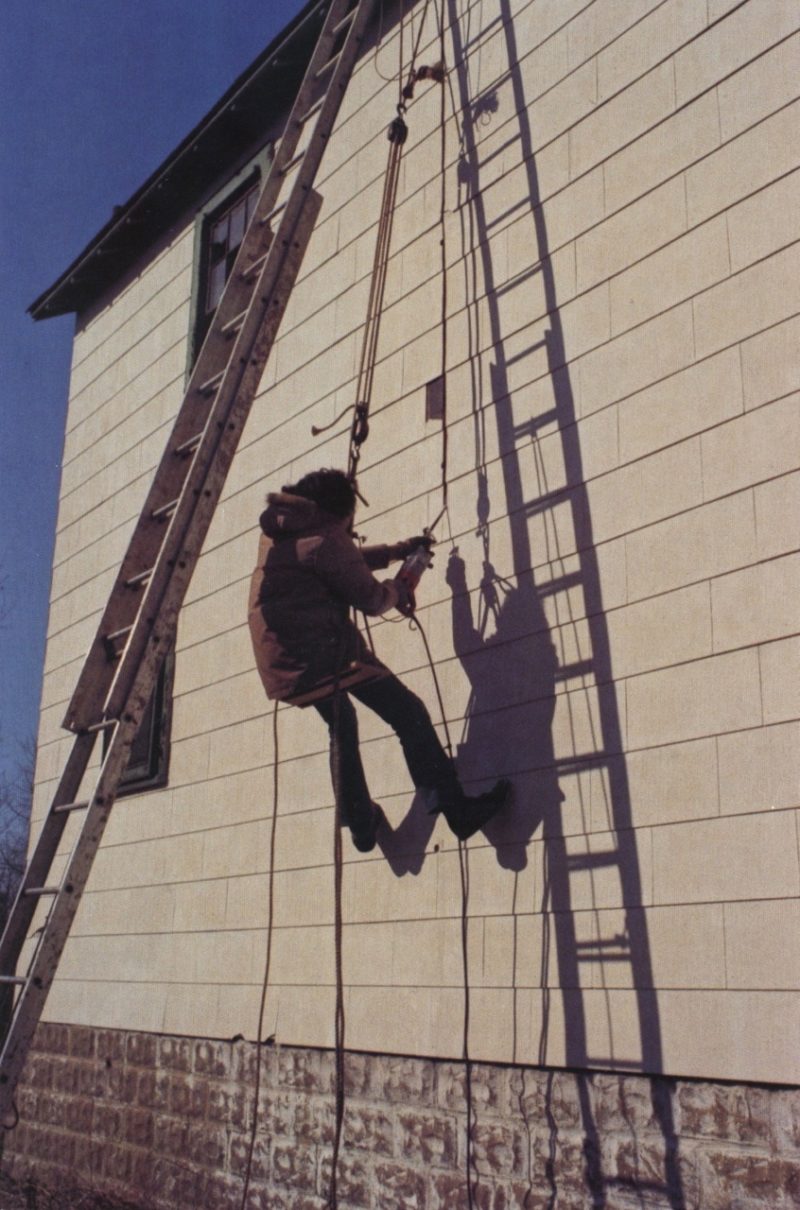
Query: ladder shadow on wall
[{"x": 537, "y": 640}]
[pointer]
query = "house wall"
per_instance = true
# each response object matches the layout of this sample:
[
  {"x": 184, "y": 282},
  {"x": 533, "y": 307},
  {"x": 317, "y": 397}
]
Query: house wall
[{"x": 621, "y": 205}]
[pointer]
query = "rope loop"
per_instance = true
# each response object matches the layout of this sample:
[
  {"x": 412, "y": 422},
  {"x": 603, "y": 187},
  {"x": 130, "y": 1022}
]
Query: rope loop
[{"x": 360, "y": 424}]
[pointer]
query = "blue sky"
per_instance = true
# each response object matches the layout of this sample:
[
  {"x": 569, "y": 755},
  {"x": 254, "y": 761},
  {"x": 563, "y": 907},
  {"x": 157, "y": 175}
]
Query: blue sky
[{"x": 94, "y": 94}]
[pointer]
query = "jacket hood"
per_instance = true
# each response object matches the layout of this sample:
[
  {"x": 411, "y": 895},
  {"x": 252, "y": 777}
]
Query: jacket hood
[{"x": 291, "y": 516}]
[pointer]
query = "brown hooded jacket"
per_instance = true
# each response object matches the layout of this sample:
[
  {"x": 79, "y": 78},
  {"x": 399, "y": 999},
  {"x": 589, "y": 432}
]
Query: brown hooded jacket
[{"x": 309, "y": 574}]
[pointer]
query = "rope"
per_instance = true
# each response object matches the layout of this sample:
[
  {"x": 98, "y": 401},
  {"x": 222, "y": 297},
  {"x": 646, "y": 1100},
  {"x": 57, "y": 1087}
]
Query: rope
[
  {"x": 443, "y": 248},
  {"x": 267, "y": 960},
  {"x": 397, "y": 133},
  {"x": 407, "y": 90},
  {"x": 339, "y": 1022},
  {"x": 463, "y": 866},
  {"x": 380, "y": 262}
]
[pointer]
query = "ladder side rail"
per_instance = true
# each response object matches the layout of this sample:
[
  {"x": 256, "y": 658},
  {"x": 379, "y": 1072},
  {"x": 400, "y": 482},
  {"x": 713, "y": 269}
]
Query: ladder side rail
[
  {"x": 290, "y": 137},
  {"x": 40, "y": 862},
  {"x": 53, "y": 937},
  {"x": 156, "y": 623}
]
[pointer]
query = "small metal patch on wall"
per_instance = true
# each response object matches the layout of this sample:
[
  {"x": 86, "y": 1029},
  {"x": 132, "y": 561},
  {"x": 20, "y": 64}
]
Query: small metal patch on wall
[{"x": 434, "y": 399}]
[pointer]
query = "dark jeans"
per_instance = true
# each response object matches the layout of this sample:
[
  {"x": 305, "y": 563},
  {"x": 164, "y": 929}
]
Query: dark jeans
[{"x": 427, "y": 761}]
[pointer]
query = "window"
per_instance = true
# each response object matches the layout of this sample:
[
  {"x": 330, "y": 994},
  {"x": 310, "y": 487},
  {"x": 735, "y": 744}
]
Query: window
[
  {"x": 149, "y": 759},
  {"x": 222, "y": 234}
]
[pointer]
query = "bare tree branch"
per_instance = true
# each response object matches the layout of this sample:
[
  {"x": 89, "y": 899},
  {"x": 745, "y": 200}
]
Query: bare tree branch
[{"x": 16, "y": 794}]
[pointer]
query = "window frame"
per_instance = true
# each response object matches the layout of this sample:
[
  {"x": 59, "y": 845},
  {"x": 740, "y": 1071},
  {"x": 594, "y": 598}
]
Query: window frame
[
  {"x": 251, "y": 176},
  {"x": 153, "y": 772}
]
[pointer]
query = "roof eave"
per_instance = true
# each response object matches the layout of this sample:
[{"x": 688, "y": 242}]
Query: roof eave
[{"x": 219, "y": 138}]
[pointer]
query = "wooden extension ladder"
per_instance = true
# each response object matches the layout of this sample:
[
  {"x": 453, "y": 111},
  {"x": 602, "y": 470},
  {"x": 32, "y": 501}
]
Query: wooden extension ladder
[{"x": 139, "y": 622}]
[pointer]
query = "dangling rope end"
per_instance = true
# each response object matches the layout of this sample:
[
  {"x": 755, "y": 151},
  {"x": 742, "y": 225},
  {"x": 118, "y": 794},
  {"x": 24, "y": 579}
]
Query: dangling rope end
[{"x": 318, "y": 429}]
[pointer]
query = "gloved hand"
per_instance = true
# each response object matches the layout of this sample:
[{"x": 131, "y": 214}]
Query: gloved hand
[
  {"x": 406, "y": 602},
  {"x": 401, "y": 550}
]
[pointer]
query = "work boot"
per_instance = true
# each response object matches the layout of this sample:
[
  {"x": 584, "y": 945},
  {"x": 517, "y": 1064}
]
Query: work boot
[
  {"x": 469, "y": 813},
  {"x": 364, "y": 834}
]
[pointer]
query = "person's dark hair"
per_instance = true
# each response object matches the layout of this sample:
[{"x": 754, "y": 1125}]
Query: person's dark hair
[{"x": 330, "y": 489}]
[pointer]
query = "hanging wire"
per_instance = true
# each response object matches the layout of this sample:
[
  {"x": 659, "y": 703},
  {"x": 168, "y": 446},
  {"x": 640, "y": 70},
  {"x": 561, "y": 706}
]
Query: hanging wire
[
  {"x": 378, "y": 40},
  {"x": 463, "y": 868},
  {"x": 443, "y": 253},
  {"x": 267, "y": 960},
  {"x": 339, "y": 1021}
]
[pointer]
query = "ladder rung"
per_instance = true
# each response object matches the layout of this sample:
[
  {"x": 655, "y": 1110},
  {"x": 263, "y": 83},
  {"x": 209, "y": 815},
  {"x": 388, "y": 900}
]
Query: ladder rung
[
  {"x": 117, "y": 634},
  {"x": 560, "y": 495},
  {"x": 188, "y": 446},
  {"x": 515, "y": 138},
  {"x": 235, "y": 324},
  {"x": 485, "y": 32},
  {"x": 312, "y": 109},
  {"x": 105, "y": 724},
  {"x": 294, "y": 160},
  {"x": 212, "y": 384},
  {"x": 593, "y": 861},
  {"x": 267, "y": 219},
  {"x": 580, "y": 668},
  {"x": 164, "y": 511},
  {"x": 571, "y": 579},
  {"x": 70, "y": 806},
  {"x": 523, "y": 204},
  {"x": 612, "y": 1063},
  {"x": 14, "y": 979},
  {"x": 326, "y": 67},
  {"x": 606, "y": 956},
  {"x": 42, "y": 890},
  {"x": 581, "y": 762},
  {"x": 345, "y": 21},
  {"x": 138, "y": 580},
  {"x": 519, "y": 280},
  {"x": 534, "y": 348},
  {"x": 602, "y": 943},
  {"x": 531, "y": 426},
  {"x": 254, "y": 269}
]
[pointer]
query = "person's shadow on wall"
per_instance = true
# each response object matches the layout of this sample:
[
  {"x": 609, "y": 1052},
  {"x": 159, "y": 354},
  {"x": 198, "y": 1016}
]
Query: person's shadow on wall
[
  {"x": 511, "y": 663},
  {"x": 509, "y": 658}
]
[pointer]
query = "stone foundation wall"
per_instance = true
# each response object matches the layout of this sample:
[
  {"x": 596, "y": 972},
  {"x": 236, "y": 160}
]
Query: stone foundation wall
[{"x": 164, "y": 1122}]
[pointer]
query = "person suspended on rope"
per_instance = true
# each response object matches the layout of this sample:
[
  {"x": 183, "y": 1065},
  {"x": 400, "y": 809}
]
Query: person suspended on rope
[{"x": 310, "y": 573}]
